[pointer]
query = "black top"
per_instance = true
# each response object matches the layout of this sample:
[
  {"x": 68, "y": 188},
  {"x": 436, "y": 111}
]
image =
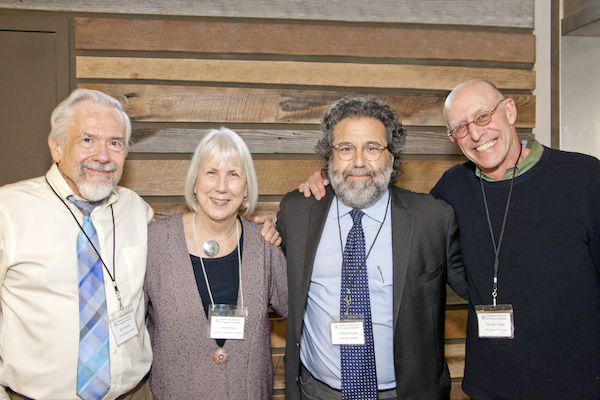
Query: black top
[
  {"x": 549, "y": 271},
  {"x": 223, "y": 277}
]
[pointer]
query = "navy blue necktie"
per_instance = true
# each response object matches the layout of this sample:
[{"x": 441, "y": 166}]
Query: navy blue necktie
[
  {"x": 359, "y": 377},
  {"x": 93, "y": 366}
]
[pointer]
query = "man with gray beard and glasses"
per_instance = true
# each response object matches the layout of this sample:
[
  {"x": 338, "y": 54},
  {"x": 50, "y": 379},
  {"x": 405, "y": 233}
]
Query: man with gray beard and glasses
[
  {"x": 367, "y": 269},
  {"x": 72, "y": 265}
]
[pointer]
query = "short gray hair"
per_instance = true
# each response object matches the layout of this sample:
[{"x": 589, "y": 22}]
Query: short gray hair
[
  {"x": 224, "y": 144},
  {"x": 61, "y": 116},
  {"x": 357, "y": 107}
]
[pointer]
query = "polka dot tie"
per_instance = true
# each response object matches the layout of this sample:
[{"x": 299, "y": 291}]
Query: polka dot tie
[{"x": 359, "y": 378}]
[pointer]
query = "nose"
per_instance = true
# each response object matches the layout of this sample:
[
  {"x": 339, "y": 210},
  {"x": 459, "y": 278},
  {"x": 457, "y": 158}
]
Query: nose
[
  {"x": 359, "y": 159},
  {"x": 474, "y": 131},
  {"x": 101, "y": 154},
  {"x": 222, "y": 184}
]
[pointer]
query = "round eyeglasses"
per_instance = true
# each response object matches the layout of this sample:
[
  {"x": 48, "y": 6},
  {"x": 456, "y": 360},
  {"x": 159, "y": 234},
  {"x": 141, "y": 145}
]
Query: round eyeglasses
[
  {"x": 481, "y": 119},
  {"x": 370, "y": 152}
]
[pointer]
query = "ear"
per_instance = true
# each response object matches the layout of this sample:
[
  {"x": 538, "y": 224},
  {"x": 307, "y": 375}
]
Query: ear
[
  {"x": 55, "y": 150},
  {"x": 451, "y": 137},
  {"x": 510, "y": 110}
]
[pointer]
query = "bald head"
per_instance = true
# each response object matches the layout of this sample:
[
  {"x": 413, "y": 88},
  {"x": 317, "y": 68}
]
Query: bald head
[
  {"x": 467, "y": 89},
  {"x": 487, "y": 119}
]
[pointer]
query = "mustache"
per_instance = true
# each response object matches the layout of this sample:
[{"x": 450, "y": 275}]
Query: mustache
[
  {"x": 98, "y": 166},
  {"x": 358, "y": 171}
]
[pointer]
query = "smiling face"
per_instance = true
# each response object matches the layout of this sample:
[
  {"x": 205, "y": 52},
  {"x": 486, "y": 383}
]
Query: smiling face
[
  {"x": 220, "y": 189},
  {"x": 358, "y": 182},
  {"x": 494, "y": 147},
  {"x": 93, "y": 153}
]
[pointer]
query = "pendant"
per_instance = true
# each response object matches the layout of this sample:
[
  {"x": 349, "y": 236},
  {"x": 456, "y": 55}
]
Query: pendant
[
  {"x": 211, "y": 248},
  {"x": 220, "y": 356}
]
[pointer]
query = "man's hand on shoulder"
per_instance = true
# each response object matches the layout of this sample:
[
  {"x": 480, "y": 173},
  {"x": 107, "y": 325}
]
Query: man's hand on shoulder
[
  {"x": 268, "y": 230},
  {"x": 315, "y": 185}
]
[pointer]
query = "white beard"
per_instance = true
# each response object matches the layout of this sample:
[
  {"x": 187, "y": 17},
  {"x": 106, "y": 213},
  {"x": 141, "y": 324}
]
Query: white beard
[
  {"x": 360, "y": 195},
  {"x": 93, "y": 188}
]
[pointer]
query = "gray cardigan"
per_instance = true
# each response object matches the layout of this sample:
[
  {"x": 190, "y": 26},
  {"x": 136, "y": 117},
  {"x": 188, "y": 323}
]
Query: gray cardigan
[{"x": 183, "y": 366}]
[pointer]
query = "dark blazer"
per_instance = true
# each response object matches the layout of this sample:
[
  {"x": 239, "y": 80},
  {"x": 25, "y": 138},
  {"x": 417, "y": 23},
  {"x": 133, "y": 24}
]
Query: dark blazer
[{"x": 426, "y": 253}]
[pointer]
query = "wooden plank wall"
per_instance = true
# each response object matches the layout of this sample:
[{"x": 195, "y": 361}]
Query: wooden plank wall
[{"x": 271, "y": 79}]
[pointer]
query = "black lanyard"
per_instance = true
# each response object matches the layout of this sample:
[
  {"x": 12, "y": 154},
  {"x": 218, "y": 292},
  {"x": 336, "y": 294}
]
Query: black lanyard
[
  {"x": 113, "y": 276},
  {"x": 487, "y": 212}
]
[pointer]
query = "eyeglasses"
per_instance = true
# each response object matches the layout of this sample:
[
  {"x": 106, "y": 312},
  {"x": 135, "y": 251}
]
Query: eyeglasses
[
  {"x": 370, "y": 151},
  {"x": 481, "y": 119}
]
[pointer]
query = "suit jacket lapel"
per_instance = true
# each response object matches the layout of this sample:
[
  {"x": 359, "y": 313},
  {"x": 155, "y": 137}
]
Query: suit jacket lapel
[{"x": 402, "y": 237}]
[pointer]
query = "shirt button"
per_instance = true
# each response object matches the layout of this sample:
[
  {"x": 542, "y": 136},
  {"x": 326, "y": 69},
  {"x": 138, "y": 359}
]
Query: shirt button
[{"x": 298, "y": 345}]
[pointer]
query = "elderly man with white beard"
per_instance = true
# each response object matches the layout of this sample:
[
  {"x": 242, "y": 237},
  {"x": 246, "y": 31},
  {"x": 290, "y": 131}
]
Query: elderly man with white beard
[
  {"x": 72, "y": 265},
  {"x": 367, "y": 269}
]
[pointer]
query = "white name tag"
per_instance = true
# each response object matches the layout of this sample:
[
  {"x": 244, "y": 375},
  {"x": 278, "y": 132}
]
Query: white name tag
[
  {"x": 227, "y": 322},
  {"x": 122, "y": 325},
  {"x": 495, "y": 321},
  {"x": 351, "y": 331}
]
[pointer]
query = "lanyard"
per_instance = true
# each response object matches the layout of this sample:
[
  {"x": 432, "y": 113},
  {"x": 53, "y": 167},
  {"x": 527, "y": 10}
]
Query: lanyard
[
  {"x": 487, "y": 212},
  {"x": 113, "y": 276},
  {"x": 349, "y": 284},
  {"x": 237, "y": 232}
]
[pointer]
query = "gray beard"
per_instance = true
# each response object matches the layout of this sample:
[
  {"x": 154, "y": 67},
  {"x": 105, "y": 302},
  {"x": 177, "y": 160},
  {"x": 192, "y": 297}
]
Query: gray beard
[
  {"x": 360, "y": 195},
  {"x": 96, "y": 189}
]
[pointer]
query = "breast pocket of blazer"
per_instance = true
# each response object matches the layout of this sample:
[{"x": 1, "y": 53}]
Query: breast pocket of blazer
[{"x": 428, "y": 276}]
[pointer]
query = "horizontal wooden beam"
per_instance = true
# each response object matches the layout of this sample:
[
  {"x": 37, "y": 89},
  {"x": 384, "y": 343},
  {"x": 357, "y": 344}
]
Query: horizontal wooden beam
[
  {"x": 506, "y": 13},
  {"x": 261, "y": 141},
  {"x": 275, "y": 177},
  {"x": 298, "y": 73},
  {"x": 301, "y": 40},
  {"x": 174, "y": 103}
]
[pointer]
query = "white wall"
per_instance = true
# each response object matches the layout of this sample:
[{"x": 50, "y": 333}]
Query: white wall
[
  {"x": 580, "y": 94},
  {"x": 542, "y": 70}
]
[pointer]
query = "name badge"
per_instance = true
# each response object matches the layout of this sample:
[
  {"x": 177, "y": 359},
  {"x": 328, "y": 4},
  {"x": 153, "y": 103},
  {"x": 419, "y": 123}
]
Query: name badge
[
  {"x": 227, "y": 322},
  {"x": 347, "y": 331},
  {"x": 495, "y": 321},
  {"x": 123, "y": 326}
]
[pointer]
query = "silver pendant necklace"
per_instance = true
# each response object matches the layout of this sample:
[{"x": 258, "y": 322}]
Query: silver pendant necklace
[{"x": 210, "y": 247}]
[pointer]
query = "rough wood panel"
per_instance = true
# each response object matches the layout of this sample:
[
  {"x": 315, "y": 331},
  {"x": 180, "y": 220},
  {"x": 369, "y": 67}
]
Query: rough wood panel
[
  {"x": 456, "y": 324},
  {"x": 298, "y": 73},
  {"x": 278, "y": 371},
  {"x": 455, "y": 357},
  {"x": 259, "y": 141},
  {"x": 301, "y": 39},
  {"x": 456, "y": 392},
  {"x": 278, "y": 327},
  {"x": 507, "y": 13},
  {"x": 275, "y": 177},
  {"x": 172, "y": 103}
]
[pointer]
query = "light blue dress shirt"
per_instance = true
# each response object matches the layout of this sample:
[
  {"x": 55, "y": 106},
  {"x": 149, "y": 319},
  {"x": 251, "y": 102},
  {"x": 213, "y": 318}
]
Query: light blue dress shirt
[{"x": 316, "y": 352}]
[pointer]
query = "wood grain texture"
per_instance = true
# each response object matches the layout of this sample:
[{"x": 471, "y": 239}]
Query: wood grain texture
[
  {"x": 455, "y": 357},
  {"x": 298, "y": 73},
  {"x": 261, "y": 141},
  {"x": 456, "y": 324},
  {"x": 301, "y": 39},
  {"x": 275, "y": 177},
  {"x": 507, "y": 13},
  {"x": 174, "y": 103}
]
